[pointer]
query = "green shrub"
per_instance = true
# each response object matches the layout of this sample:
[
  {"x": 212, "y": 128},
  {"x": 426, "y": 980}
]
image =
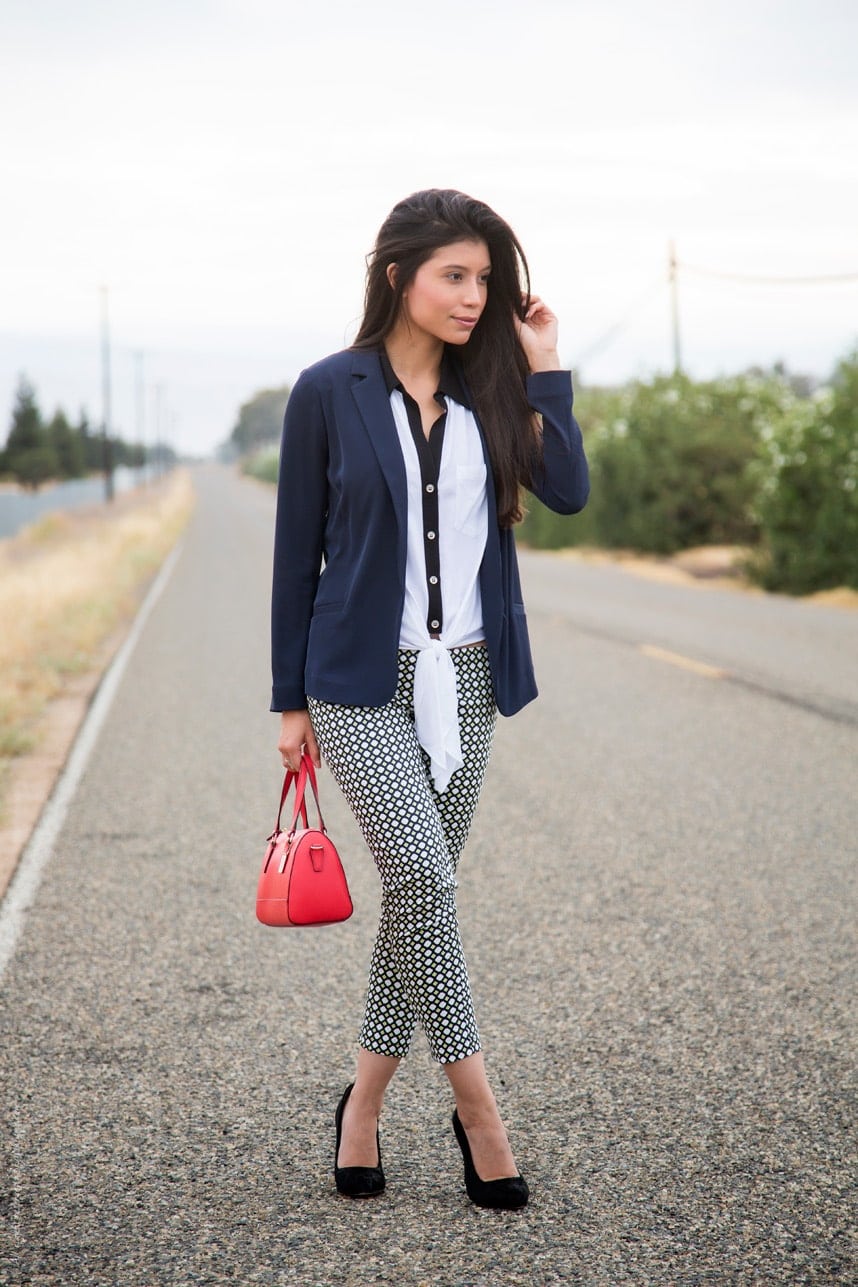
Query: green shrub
[
  {"x": 262, "y": 465},
  {"x": 671, "y": 463},
  {"x": 807, "y": 503},
  {"x": 545, "y": 530},
  {"x": 674, "y": 468}
]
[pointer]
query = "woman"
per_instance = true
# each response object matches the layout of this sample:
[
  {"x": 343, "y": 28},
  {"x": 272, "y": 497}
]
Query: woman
[{"x": 401, "y": 466}]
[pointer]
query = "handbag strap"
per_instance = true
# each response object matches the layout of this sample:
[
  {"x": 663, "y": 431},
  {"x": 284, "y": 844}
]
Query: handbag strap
[
  {"x": 306, "y": 773},
  {"x": 301, "y": 807}
]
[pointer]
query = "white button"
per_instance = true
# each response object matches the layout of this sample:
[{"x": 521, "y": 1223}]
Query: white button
[
  {"x": 433, "y": 580},
  {"x": 430, "y": 487},
  {"x": 430, "y": 536},
  {"x": 434, "y": 624}
]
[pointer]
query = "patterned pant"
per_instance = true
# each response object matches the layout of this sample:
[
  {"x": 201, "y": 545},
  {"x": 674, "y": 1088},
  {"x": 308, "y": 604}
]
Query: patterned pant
[{"x": 416, "y": 836}]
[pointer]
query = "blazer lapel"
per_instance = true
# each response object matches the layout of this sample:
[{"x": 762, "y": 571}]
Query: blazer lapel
[{"x": 373, "y": 403}]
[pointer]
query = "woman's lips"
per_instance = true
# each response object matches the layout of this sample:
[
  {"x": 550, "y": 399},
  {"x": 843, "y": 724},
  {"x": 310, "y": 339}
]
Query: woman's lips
[{"x": 468, "y": 322}]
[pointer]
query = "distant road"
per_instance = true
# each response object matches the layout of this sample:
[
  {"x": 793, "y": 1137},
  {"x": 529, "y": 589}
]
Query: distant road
[{"x": 659, "y": 908}]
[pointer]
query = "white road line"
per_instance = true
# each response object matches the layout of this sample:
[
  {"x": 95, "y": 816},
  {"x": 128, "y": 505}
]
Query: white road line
[
  {"x": 25, "y": 883},
  {"x": 686, "y": 663}
]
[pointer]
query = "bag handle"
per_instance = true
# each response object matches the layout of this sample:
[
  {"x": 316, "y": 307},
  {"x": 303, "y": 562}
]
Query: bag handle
[
  {"x": 307, "y": 772},
  {"x": 300, "y": 778},
  {"x": 301, "y": 807}
]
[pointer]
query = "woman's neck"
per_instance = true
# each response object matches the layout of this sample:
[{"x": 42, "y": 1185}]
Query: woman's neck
[{"x": 414, "y": 356}]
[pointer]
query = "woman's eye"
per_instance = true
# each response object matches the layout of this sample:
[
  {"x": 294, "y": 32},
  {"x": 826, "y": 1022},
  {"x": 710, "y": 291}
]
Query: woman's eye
[{"x": 455, "y": 277}]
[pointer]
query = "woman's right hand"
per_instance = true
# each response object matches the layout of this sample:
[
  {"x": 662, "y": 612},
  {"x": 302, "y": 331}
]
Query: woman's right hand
[{"x": 296, "y": 735}]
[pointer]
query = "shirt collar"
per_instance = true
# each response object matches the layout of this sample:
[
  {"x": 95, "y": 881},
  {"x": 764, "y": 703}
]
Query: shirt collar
[{"x": 450, "y": 382}]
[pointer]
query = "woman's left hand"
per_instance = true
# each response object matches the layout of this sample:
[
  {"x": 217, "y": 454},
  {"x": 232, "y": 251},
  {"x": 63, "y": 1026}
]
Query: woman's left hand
[{"x": 538, "y": 336}]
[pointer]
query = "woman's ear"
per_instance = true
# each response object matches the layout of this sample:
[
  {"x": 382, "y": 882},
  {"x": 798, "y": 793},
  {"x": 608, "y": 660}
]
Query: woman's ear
[{"x": 391, "y": 275}]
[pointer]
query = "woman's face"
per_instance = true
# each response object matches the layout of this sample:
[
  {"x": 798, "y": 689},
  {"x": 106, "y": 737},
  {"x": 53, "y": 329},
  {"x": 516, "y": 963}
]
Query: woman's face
[{"x": 448, "y": 293}]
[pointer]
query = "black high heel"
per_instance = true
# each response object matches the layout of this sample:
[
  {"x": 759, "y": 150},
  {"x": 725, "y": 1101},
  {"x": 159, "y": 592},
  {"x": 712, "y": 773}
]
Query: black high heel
[
  {"x": 507, "y": 1194},
  {"x": 356, "y": 1181}
]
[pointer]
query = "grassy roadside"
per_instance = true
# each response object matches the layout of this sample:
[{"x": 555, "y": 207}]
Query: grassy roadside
[{"x": 67, "y": 583}]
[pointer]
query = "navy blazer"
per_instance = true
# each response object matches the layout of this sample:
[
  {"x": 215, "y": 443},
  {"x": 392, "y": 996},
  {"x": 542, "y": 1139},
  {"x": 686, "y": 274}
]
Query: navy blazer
[{"x": 342, "y": 500}]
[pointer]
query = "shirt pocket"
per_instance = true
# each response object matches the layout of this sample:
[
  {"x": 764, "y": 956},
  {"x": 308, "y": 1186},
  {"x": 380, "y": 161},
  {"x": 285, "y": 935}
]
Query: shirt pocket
[{"x": 469, "y": 509}]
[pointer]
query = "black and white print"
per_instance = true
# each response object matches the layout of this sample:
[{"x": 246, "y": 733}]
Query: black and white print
[{"x": 416, "y": 836}]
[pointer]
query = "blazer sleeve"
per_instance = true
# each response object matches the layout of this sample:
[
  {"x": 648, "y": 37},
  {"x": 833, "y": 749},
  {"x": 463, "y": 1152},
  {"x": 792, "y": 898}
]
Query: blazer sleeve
[
  {"x": 561, "y": 479},
  {"x": 302, "y": 503}
]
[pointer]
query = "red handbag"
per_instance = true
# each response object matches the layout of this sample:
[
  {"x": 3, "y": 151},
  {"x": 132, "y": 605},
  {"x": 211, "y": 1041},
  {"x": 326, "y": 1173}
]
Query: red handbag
[{"x": 302, "y": 881}]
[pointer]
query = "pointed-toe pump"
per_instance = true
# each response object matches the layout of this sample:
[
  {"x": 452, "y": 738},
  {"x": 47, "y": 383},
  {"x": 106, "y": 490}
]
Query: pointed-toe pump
[
  {"x": 507, "y": 1194},
  {"x": 356, "y": 1181}
]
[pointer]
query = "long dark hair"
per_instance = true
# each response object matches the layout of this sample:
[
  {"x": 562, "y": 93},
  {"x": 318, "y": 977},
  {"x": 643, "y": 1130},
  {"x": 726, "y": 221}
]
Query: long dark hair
[{"x": 493, "y": 360}]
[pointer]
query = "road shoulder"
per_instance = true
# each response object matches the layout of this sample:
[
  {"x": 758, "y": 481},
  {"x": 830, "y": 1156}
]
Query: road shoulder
[{"x": 707, "y": 567}]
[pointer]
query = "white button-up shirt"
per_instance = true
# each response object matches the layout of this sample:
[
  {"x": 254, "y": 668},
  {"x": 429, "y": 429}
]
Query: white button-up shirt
[{"x": 462, "y": 528}]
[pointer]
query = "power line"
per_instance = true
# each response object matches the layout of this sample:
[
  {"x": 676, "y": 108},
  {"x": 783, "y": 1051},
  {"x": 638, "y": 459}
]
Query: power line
[{"x": 677, "y": 266}]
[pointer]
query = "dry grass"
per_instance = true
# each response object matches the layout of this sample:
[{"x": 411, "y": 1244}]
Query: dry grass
[
  {"x": 841, "y": 597},
  {"x": 66, "y": 584},
  {"x": 719, "y": 566}
]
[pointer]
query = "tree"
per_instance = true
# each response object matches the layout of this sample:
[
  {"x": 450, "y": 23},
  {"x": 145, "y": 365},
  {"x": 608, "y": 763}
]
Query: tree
[
  {"x": 260, "y": 420},
  {"x": 67, "y": 446},
  {"x": 90, "y": 444},
  {"x": 29, "y": 456},
  {"x": 36, "y": 451},
  {"x": 131, "y": 455}
]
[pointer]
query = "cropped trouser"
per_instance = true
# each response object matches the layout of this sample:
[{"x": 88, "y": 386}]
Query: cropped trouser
[{"x": 415, "y": 835}]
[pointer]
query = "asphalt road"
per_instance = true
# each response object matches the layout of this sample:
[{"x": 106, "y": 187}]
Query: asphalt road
[{"x": 658, "y": 905}]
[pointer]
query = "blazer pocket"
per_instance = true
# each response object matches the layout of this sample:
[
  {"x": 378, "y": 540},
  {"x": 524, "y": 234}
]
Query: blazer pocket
[{"x": 320, "y": 608}]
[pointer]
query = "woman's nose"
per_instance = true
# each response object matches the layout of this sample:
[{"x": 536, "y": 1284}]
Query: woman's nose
[{"x": 473, "y": 292}]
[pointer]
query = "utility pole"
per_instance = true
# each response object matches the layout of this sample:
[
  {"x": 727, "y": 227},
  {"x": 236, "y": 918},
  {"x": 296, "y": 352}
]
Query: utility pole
[
  {"x": 140, "y": 399},
  {"x": 174, "y": 420},
  {"x": 159, "y": 396},
  {"x": 673, "y": 276},
  {"x": 106, "y": 447}
]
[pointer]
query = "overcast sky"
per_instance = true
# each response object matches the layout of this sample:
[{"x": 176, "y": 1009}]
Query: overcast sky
[{"x": 223, "y": 168}]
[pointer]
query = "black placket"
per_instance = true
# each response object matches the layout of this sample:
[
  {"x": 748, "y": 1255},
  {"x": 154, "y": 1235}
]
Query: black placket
[{"x": 429, "y": 455}]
